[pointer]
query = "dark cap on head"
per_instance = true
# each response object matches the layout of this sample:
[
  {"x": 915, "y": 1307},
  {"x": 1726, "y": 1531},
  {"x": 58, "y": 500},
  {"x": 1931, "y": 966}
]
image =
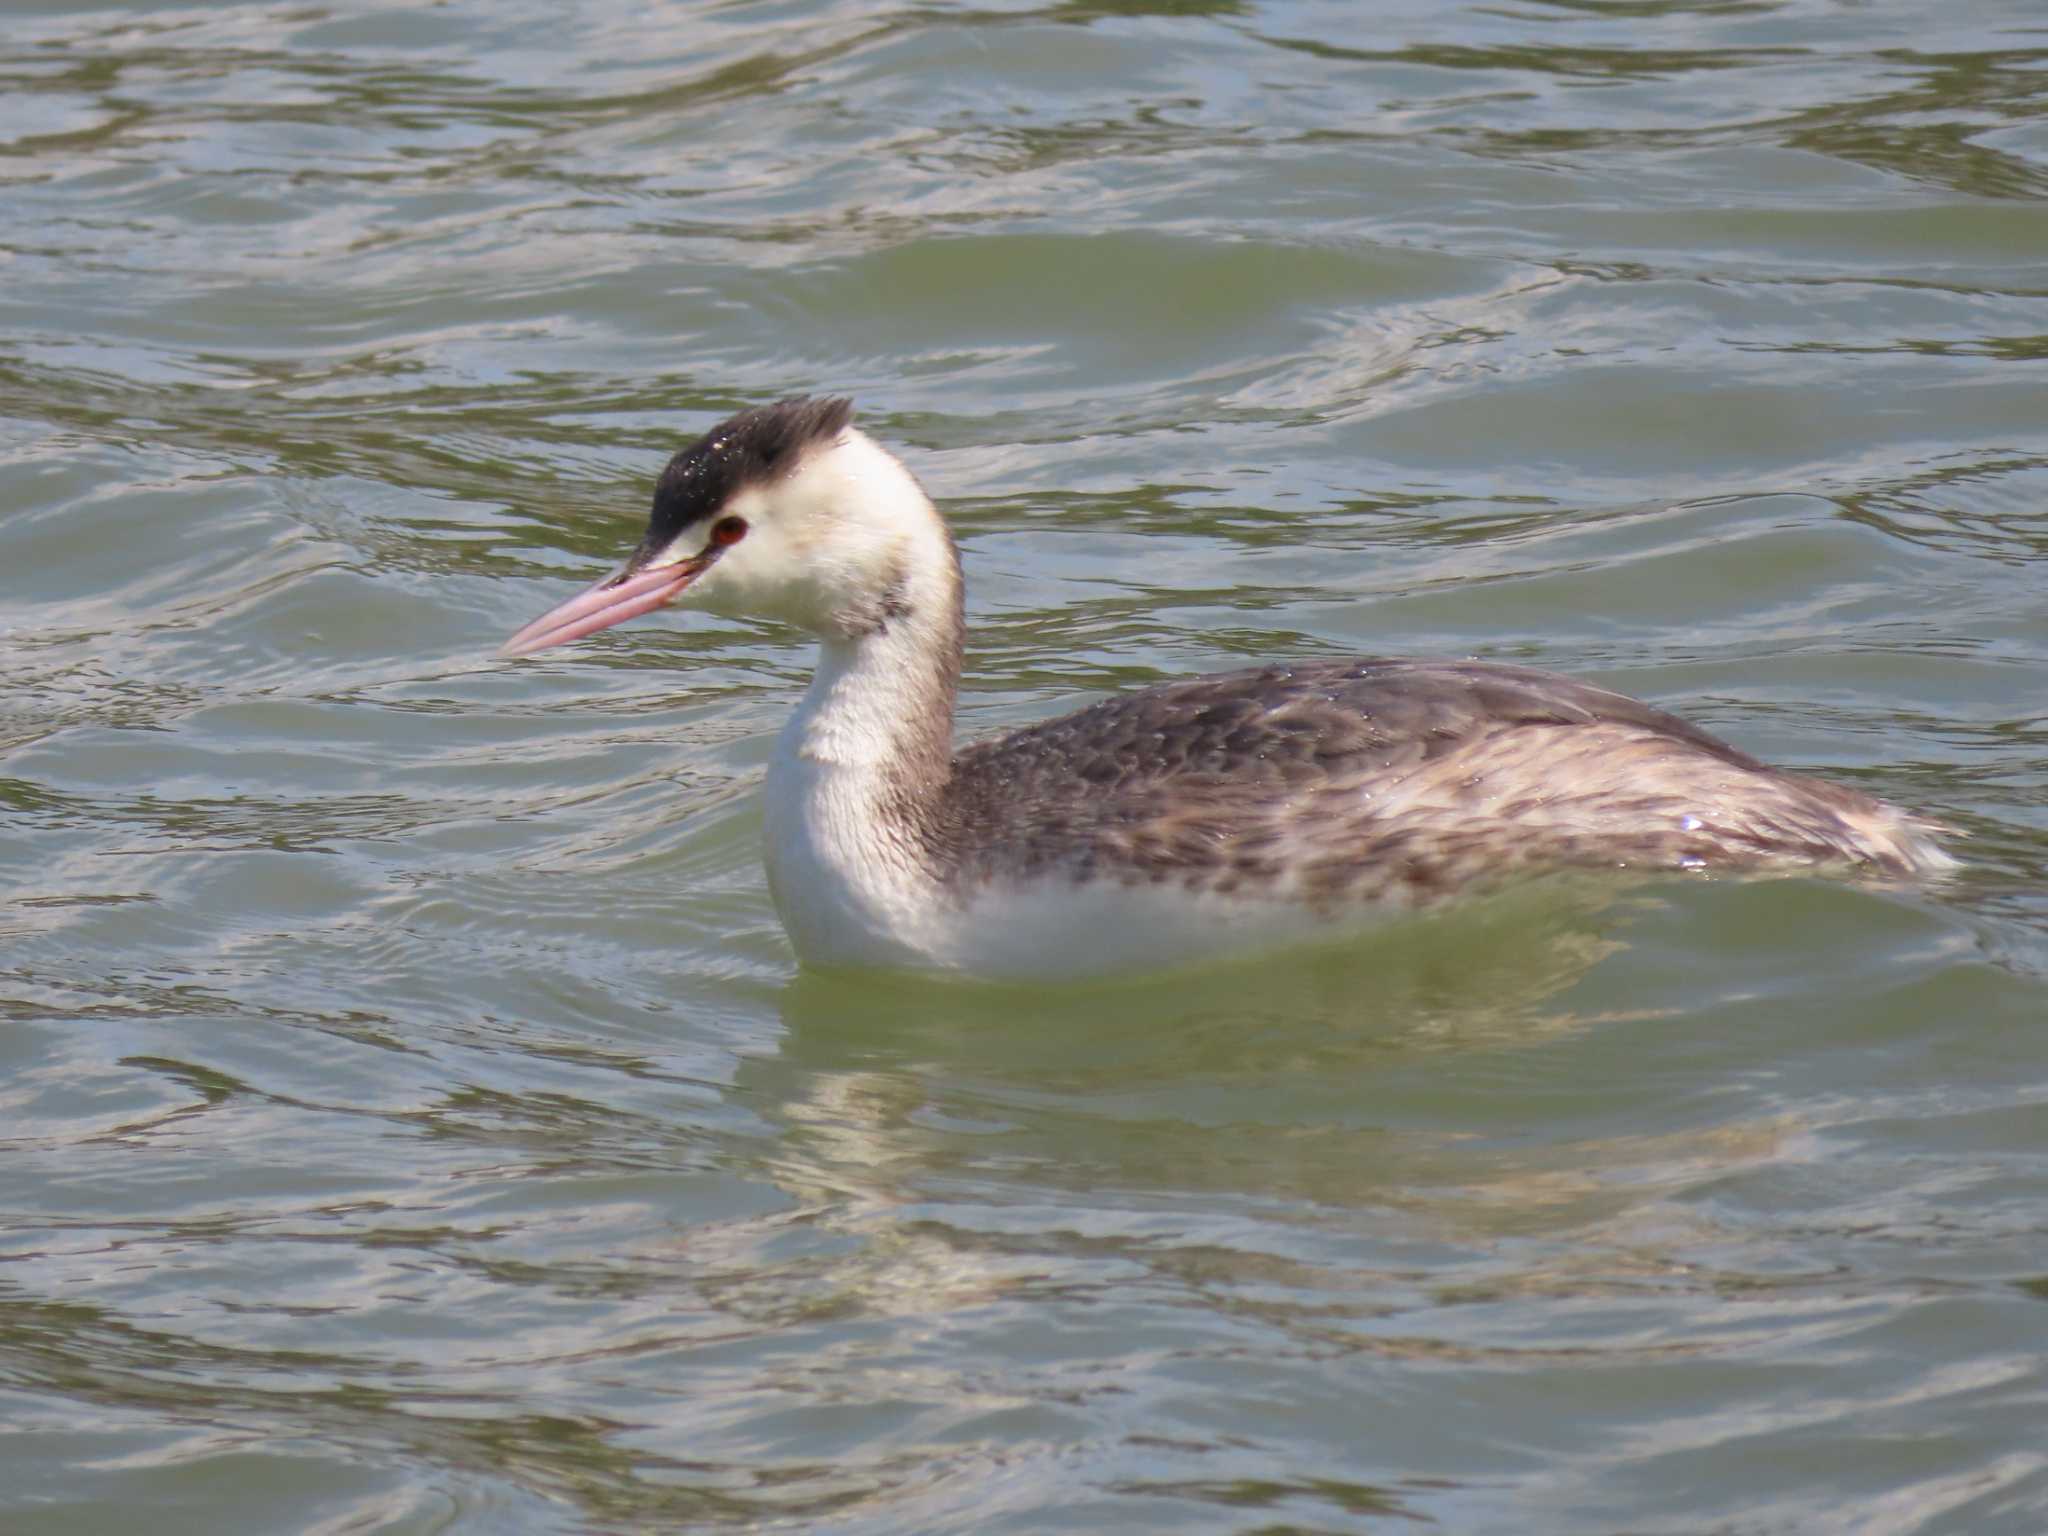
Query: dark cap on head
[{"x": 752, "y": 447}]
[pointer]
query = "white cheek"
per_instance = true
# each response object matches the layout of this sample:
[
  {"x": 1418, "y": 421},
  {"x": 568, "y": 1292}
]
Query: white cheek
[{"x": 751, "y": 579}]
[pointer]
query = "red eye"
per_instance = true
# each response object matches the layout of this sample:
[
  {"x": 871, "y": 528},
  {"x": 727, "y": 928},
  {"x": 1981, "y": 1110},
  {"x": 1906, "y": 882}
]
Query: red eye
[{"x": 728, "y": 531}]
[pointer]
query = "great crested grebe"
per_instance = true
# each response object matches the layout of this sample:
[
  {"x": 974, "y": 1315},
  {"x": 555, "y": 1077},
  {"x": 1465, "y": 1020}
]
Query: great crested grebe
[{"x": 1179, "y": 822}]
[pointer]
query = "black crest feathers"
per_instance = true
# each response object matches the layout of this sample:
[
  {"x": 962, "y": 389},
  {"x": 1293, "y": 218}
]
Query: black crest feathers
[{"x": 750, "y": 448}]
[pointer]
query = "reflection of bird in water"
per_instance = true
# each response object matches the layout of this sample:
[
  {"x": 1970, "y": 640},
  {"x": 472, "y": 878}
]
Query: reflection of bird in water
[
  {"x": 1180, "y": 821},
  {"x": 1372, "y": 1071}
]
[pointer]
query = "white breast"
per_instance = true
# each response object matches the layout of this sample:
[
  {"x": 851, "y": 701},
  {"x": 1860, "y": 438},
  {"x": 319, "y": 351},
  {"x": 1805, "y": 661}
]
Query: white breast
[
  {"x": 850, "y": 891},
  {"x": 1051, "y": 929}
]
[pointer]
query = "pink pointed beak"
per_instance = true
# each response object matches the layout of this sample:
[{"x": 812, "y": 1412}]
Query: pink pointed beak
[{"x": 620, "y": 596}]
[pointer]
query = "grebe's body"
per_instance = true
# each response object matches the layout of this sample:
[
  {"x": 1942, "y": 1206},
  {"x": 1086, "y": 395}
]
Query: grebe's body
[{"x": 1182, "y": 821}]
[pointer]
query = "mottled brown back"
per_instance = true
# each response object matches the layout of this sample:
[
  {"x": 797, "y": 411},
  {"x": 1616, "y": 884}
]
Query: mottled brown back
[{"x": 1363, "y": 780}]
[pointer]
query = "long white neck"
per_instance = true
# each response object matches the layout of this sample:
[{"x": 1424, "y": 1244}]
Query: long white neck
[
  {"x": 856, "y": 789},
  {"x": 877, "y": 707}
]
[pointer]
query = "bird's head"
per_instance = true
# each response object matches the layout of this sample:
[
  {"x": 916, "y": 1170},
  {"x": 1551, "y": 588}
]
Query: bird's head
[{"x": 784, "y": 512}]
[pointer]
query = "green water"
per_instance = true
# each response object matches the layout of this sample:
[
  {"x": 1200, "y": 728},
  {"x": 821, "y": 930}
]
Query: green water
[{"x": 411, "y": 1116}]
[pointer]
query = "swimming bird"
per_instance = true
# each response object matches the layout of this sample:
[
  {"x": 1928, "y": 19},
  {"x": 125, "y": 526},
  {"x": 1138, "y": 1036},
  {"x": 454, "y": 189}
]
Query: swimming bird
[{"x": 1179, "y": 822}]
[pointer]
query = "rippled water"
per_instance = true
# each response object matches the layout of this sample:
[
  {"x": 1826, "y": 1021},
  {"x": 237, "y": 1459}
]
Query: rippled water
[{"x": 414, "y": 1119}]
